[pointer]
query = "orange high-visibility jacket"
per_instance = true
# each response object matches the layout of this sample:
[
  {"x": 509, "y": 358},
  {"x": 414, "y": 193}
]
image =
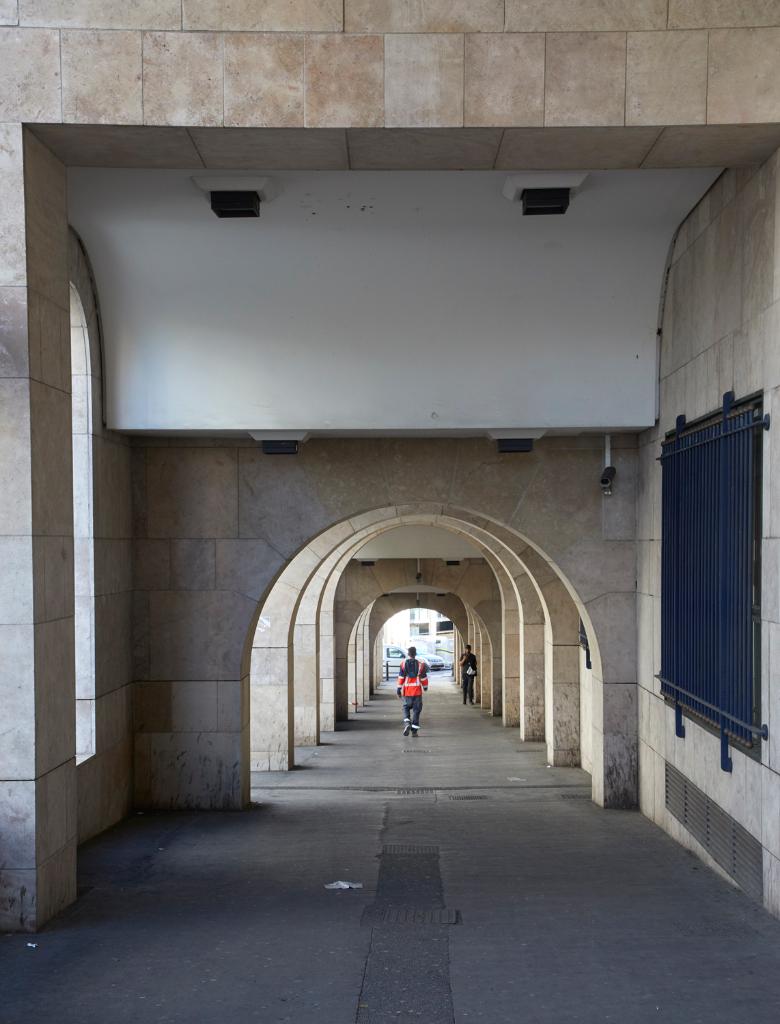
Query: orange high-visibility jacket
[{"x": 413, "y": 677}]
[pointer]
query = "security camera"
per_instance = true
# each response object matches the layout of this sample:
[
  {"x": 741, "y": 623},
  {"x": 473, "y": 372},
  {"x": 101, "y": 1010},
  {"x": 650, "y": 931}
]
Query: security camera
[{"x": 607, "y": 476}]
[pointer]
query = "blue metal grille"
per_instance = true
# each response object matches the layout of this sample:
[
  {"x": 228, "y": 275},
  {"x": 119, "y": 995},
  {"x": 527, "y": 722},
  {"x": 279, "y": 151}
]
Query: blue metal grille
[{"x": 710, "y": 573}]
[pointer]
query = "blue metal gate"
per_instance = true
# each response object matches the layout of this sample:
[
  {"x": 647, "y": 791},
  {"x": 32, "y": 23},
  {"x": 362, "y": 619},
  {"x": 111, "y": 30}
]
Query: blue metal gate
[{"x": 710, "y": 573}]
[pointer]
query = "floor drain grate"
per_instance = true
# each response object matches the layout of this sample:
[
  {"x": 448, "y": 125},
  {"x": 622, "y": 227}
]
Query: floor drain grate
[
  {"x": 411, "y": 916},
  {"x": 415, "y": 750},
  {"x": 415, "y": 792},
  {"x": 575, "y": 796},
  {"x": 467, "y": 796},
  {"x": 409, "y": 850}
]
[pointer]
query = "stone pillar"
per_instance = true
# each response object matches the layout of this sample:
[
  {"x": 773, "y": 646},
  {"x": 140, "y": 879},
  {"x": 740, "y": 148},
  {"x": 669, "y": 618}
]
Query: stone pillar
[
  {"x": 37, "y": 675},
  {"x": 562, "y": 684}
]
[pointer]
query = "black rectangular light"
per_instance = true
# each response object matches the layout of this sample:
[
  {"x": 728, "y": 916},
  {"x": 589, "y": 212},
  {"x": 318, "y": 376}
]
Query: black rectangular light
[
  {"x": 235, "y": 204},
  {"x": 539, "y": 202},
  {"x": 508, "y": 445},
  {"x": 368, "y": 562},
  {"x": 279, "y": 446},
  {"x": 452, "y": 561}
]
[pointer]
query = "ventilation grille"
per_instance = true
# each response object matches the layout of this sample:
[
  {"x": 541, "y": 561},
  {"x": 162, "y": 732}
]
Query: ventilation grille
[
  {"x": 467, "y": 796},
  {"x": 726, "y": 841},
  {"x": 410, "y": 916},
  {"x": 414, "y": 792},
  {"x": 409, "y": 850}
]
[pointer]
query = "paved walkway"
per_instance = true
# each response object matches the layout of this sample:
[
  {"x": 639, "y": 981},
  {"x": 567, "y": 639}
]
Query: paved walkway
[{"x": 499, "y": 893}]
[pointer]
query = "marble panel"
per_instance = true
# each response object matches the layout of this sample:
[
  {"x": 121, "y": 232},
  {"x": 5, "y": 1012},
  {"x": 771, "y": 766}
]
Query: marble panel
[
  {"x": 585, "y": 79},
  {"x": 425, "y": 16},
  {"x": 504, "y": 79},
  {"x": 30, "y": 83},
  {"x": 54, "y": 590},
  {"x": 14, "y": 355},
  {"x": 731, "y": 145},
  {"x": 246, "y": 566},
  {"x": 101, "y": 77},
  {"x": 646, "y": 780},
  {"x": 120, "y": 146},
  {"x": 311, "y": 149},
  {"x": 149, "y": 14},
  {"x": 666, "y": 79},
  {"x": 264, "y": 15},
  {"x": 17, "y": 698},
  {"x": 264, "y": 80},
  {"x": 13, "y": 267},
  {"x": 50, "y": 454},
  {"x": 151, "y": 564},
  {"x": 192, "y": 492},
  {"x": 183, "y": 78},
  {"x": 770, "y": 815},
  {"x": 232, "y": 705},
  {"x": 46, "y": 219},
  {"x": 743, "y": 82},
  {"x": 770, "y": 579},
  {"x": 198, "y": 635},
  {"x": 113, "y": 565},
  {"x": 17, "y": 594},
  {"x": 177, "y": 706},
  {"x": 584, "y": 15},
  {"x": 55, "y": 694},
  {"x": 344, "y": 81},
  {"x": 772, "y": 883},
  {"x": 113, "y": 641},
  {"x": 614, "y": 620},
  {"x": 17, "y": 825},
  {"x": 757, "y": 211},
  {"x": 9, "y": 12},
  {"x": 55, "y": 810},
  {"x": 620, "y": 757},
  {"x": 193, "y": 564},
  {"x": 113, "y": 718},
  {"x": 56, "y": 883},
  {"x": 722, "y": 13},
  {"x": 104, "y": 789},
  {"x": 423, "y": 81},
  {"x": 188, "y": 771}
]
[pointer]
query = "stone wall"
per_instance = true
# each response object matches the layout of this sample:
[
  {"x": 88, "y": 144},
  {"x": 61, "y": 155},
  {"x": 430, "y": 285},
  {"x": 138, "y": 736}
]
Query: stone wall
[
  {"x": 390, "y": 63},
  {"x": 721, "y": 332}
]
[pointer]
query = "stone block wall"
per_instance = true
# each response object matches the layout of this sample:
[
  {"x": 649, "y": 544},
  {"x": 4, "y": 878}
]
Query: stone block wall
[
  {"x": 389, "y": 63},
  {"x": 721, "y": 332}
]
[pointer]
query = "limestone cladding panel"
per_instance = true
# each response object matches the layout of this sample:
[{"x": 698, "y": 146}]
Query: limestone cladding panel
[
  {"x": 192, "y": 492},
  {"x": 585, "y": 79},
  {"x": 101, "y": 77},
  {"x": 183, "y": 78},
  {"x": 424, "y": 15},
  {"x": 264, "y": 80},
  {"x": 584, "y": 15},
  {"x": 344, "y": 81},
  {"x": 504, "y": 79},
  {"x": 666, "y": 78},
  {"x": 30, "y": 75},
  {"x": 574, "y": 148},
  {"x": 149, "y": 14},
  {"x": 9, "y": 12},
  {"x": 264, "y": 15},
  {"x": 744, "y": 83},
  {"x": 424, "y": 80},
  {"x": 723, "y": 13}
]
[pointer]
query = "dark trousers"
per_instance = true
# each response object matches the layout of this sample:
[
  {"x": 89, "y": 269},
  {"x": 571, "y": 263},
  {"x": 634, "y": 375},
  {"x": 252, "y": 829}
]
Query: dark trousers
[
  {"x": 467, "y": 685},
  {"x": 412, "y": 709}
]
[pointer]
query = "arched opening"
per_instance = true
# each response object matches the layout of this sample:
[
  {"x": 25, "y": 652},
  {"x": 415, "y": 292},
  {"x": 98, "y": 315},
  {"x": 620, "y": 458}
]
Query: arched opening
[
  {"x": 83, "y": 526},
  {"x": 316, "y": 573}
]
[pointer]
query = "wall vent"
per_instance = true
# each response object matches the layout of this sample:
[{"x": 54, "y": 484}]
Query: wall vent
[{"x": 726, "y": 841}]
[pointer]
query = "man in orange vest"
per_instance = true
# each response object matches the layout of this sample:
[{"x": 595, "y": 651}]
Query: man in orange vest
[{"x": 412, "y": 680}]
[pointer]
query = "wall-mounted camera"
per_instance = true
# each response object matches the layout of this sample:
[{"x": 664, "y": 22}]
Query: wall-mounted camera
[{"x": 607, "y": 477}]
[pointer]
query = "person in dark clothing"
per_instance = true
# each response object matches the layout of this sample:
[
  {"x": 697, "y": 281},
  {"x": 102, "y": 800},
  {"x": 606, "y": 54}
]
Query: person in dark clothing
[
  {"x": 412, "y": 680},
  {"x": 468, "y": 672}
]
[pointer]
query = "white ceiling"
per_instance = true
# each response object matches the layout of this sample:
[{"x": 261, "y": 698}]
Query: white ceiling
[
  {"x": 418, "y": 542},
  {"x": 379, "y": 301}
]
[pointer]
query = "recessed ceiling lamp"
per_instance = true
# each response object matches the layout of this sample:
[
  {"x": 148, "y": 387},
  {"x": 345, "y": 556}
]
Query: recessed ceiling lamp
[{"x": 543, "y": 193}]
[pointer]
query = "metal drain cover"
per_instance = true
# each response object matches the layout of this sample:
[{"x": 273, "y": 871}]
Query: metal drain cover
[
  {"x": 409, "y": 850},
  {"x": 415, "y": 792},
  {"x": 415, "y": 750},
  {"x": 412, "y": 916},
  {"x": 467, "y": 796}
]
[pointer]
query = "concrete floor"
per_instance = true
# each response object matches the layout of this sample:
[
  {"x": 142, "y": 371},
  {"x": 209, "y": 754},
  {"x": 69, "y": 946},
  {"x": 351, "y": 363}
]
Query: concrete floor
[{"x": 562, "y": 912}]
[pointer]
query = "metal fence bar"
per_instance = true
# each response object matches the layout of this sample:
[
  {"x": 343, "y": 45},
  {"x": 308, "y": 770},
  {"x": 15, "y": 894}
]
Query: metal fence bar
[{"x": 708, "y": 577}]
